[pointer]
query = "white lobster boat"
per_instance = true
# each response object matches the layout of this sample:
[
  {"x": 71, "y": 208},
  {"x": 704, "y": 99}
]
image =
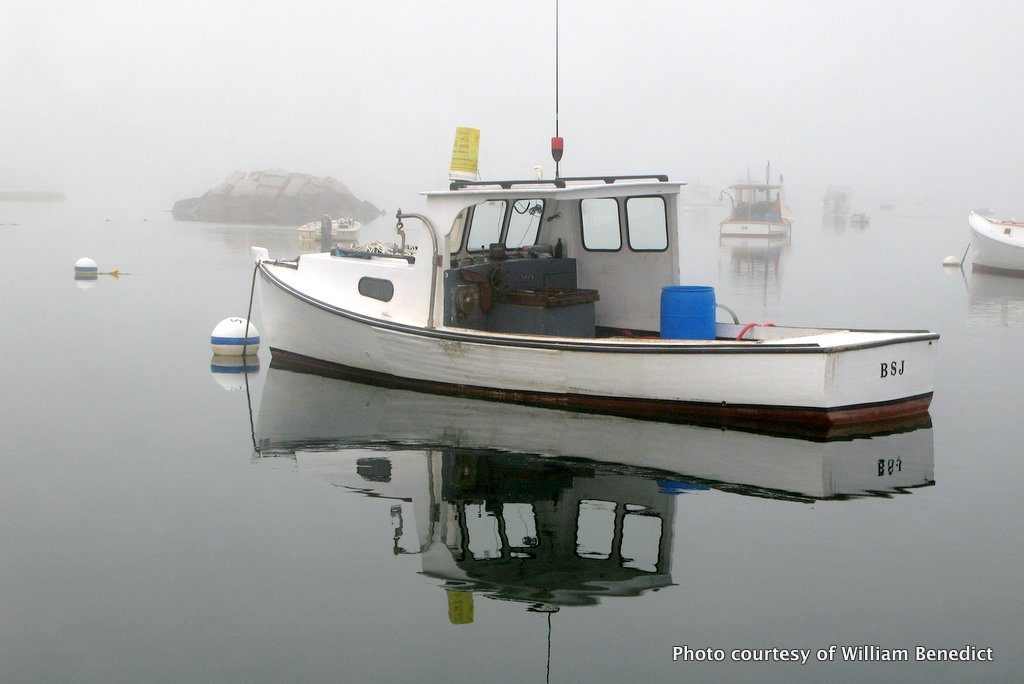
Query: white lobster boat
[
  {"x": 758, "y": 210},
  {"x": 997, "y": 246},
  {"x": 549, "y": 293}
]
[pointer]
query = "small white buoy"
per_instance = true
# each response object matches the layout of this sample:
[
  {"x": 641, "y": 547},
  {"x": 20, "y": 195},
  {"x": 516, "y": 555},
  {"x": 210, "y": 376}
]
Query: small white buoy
[
  {"x": 228, "y": 338},
  {"x": 229, "y": 371},
  {"x": 951, "y": 261},
  {"x": 85, "y": 265}
]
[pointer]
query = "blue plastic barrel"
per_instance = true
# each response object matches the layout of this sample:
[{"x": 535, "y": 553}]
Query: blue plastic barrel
[{"x": 688, "y": 312}]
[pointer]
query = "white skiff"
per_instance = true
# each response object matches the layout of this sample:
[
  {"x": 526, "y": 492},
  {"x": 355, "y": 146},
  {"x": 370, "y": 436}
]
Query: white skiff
[
  {"x": 343, "y": 230},
  {"x": 997, "y": 246}
]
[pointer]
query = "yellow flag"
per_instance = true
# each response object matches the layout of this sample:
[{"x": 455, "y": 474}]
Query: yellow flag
[{"x": 465, "y": 154}]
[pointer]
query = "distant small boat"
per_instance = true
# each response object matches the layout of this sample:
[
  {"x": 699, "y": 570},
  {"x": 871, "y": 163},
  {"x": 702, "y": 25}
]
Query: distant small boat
[
  {"x": 343, "y": 230},
  {"x": 837, "y": 200},
  {"x": 997, "y": 246},
  {"x": 758, "y": 209},
  {"x": 860, "y": 219}
]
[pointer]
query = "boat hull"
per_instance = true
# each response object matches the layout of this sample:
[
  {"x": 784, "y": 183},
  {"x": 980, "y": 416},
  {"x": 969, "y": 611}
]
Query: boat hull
[
  {"x": 753, "y": 229},
  {"x": 790, "y": 388},
  {"x": 997, "y": 246},
  {"x": 788, "y": 420}
]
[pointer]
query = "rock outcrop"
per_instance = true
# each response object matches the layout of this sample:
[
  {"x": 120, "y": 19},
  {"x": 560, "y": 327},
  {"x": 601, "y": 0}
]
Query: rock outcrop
[{"x": 274, "y": 197}]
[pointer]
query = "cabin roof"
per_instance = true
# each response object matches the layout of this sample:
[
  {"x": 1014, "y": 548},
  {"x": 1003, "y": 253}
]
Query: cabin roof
[
  {"x": 755, "y": 186},
  {"x": 563, "y": 188}
]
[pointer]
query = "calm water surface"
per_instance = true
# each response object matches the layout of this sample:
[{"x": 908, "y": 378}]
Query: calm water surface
[{"x": 159, "y": 522}]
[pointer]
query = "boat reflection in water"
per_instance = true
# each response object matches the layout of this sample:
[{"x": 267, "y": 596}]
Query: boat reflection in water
[
  {"x": 996, "y": 300},
  {"x": 835, "y": 222},
  {"x": 547, "y": 507},
  {"x": 753, "y": 264}
]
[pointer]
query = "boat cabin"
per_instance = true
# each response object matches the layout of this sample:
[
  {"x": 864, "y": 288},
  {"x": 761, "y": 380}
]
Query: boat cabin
[
  {"x": 754, "y": 202},
  {"x": 573, "y": 258}
]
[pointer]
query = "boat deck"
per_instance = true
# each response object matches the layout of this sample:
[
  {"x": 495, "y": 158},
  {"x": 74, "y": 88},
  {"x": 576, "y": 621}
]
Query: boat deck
[
  {"x": 765, "y": 338},
  {"x": 728, "y": 336}
]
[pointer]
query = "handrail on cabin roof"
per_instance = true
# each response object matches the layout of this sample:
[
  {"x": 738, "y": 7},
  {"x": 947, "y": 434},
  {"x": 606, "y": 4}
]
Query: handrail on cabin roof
[{"x": 557, "y": 182}]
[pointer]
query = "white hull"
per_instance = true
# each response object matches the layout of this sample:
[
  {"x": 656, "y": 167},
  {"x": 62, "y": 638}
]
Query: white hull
[
  {"x": 815, "y": 379},
  {"x": 762, "y": 243},
  {"x": 997, "y": 245},
  {"x": 754, "y": 229}
]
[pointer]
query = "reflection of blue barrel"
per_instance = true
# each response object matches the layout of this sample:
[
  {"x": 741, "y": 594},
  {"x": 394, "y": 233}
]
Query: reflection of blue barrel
[{"x": 688, "y": 312}]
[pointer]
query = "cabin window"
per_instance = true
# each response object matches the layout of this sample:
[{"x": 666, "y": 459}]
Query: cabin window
[
  {"x": 455, "y": 237},
  {"x": 485, "y": 228},
  {"x": 376, "y": 288},
  {"x": 646, "y": 224},
  {"x": 757, "y": 203},
  {"x": 524, "y": 223},
  {"x": 600, "y": 224}
]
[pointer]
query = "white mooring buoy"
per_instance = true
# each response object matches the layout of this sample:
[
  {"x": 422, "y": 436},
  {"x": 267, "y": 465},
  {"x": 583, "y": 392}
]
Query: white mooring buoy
[
  {"x": 85, "y": 266},
  {"x": 951, "y": 261},
  {"x": 229, "y": 338}
]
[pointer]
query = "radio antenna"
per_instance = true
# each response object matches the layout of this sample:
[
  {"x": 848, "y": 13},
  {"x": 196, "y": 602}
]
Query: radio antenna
[{"x": 557, "y": 144}]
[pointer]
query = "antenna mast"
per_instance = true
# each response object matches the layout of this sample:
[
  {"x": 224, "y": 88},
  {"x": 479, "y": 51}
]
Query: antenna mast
[{"x": 557, "y": 144}]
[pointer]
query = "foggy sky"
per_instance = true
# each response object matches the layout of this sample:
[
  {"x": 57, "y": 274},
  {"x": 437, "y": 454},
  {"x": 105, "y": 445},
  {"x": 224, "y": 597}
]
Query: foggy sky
[{"x": 917, "y": 101}]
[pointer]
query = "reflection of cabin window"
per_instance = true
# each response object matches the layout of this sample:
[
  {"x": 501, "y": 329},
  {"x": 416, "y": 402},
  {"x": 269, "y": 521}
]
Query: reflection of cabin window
[
  {"x": 600, "y": 224},
  {"x": 485, "y": 228},
  {"x": 646, "y": 223},
  {"x": 376, "y": 288},
  {"x": 520, "y": 525},
  {"x": 641, "y": 541},
  {"x": 524, "y": 223},
  {"x": 482, "y": 529},
  {"x": 595, "y": 528}
]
